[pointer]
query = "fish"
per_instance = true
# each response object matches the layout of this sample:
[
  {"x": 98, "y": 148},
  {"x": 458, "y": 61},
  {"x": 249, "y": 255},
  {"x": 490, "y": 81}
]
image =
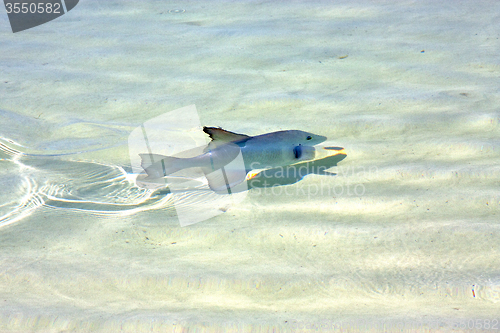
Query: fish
[{"x": 261, "y": 152}]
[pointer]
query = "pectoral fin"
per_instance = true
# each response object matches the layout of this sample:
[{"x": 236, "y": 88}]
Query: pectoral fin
[{"x": 225, "y": 181}]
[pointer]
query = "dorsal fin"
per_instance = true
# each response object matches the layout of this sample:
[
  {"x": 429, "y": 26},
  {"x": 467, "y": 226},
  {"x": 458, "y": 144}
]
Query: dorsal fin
[
  {"x": 220, "y": 137},
  {"x": 223, "y": 136}
]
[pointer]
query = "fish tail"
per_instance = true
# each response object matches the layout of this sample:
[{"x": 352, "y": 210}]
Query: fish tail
[{"x": 158, "y": 166}]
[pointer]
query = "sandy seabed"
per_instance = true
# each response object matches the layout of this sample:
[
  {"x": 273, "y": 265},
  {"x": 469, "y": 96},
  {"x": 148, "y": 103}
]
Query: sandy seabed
[{"x": 404, "y": 237}]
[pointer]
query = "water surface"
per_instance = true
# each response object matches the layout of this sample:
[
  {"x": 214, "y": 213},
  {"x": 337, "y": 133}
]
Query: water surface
[{"x": 407, "y": 232}]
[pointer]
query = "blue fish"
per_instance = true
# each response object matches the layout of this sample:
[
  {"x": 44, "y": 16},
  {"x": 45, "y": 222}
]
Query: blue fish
[{"x": 266, "y": 151}]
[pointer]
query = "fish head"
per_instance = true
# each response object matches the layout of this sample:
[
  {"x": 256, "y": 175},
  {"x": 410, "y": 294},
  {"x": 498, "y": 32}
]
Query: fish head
[{"x": 296, "y": 137}]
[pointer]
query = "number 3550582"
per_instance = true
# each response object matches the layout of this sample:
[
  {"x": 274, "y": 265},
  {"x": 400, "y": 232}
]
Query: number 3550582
[{"x": 33, "y": 8}]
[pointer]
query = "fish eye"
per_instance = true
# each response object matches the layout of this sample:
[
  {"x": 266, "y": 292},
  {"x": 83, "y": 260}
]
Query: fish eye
[{"x": 309, "y": 137}]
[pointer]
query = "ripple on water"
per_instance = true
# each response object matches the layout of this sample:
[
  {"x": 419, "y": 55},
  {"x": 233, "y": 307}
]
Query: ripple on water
[
  {"x": 18, "y": 197},
  {"x": 55, "y": 181},
  {"x": 29, "y": 183}
]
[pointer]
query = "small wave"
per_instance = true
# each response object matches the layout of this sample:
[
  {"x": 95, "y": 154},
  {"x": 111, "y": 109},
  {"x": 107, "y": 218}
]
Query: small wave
[{"x": 30, "y": 183}]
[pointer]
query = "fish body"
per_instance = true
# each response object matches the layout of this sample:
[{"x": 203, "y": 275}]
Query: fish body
[{"x": 264, "y": 151}]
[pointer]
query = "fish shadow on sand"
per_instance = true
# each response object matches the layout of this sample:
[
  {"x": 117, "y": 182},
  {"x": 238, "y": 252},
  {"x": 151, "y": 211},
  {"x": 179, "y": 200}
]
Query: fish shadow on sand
[
  {"x": 285, "y": 175},
  {"x": 294, "y": 173}
]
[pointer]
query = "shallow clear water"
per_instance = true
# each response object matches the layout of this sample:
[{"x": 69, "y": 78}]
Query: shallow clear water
[{"x": 406, "y": 233}]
